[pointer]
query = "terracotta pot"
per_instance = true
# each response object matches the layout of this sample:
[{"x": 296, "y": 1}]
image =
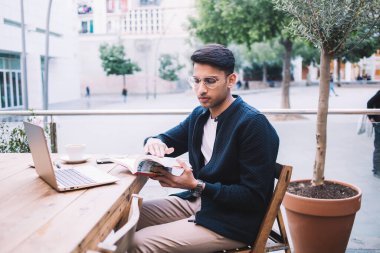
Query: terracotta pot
[{"x": 321, "y": 225}]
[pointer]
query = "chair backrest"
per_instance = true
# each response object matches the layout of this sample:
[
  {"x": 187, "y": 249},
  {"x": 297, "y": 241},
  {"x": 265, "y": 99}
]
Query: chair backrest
[
  {"x": 120, "y": 240},
  {"x": 283, "y": 174},
  {"x": 278, "y": 240}
]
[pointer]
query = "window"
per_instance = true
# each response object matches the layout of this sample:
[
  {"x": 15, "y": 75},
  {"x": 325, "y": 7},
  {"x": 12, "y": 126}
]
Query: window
[
  {"x": 9, "y": 92},
  {"x": 84, "y": 27},
  {"x": 110, "y": 6},
  {"x": 123, "y": 5},
  {"x": 14, "y": 89},
  {"x": 10, "y": 81},
  {"x": 19, "y": 89},
  {"x": 87, "y": 26},
  {"x": 2, "y": 90},
  {"x": 149, "y": 2},
  {"x": 91, "y": 26}
]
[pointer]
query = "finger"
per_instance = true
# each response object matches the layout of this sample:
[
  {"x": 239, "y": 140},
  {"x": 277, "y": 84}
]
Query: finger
[
  {"x": 153, "y": 177},
  {"x": 164, "y": 184},
  {"x": 159, "y": 150},
  {"x": 146, "y": 149},
  {"x": 151, "y": 149},
  {"x": 184, "y": 165},
  {"x": 169, "y": 150},
  {"x": 156, "y": 149},
  {"x": 163, "y": 172}
]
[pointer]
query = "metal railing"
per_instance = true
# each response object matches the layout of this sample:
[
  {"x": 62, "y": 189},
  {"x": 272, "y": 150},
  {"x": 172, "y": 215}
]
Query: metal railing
[
  {"x": 53, "y": 127},
  {"x": 52, "y": 113}
]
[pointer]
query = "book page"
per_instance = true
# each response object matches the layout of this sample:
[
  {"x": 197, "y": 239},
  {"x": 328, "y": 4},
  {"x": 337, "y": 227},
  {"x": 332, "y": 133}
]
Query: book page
[
  {"x": 128, "y": 162},
  {"x": 164, "y": 161},
  {"x": 146, "y": 164},
  {"x": 148, "y": 167}
]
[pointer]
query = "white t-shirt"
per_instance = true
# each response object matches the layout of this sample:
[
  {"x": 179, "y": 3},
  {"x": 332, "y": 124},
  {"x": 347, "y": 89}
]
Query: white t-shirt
[{"x": 208, "y": 139}]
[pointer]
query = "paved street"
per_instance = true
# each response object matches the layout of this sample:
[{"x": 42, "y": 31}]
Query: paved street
[{"x": 349, "y": 156}]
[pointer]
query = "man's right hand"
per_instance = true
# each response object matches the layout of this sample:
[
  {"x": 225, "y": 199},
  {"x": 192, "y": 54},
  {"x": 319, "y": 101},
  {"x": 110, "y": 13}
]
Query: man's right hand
[{"x": 156, "y": 147}]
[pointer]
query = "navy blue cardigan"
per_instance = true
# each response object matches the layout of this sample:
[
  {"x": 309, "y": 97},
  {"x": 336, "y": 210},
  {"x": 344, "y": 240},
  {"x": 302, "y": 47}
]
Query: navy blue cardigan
[{"x": 240, "y": 174}]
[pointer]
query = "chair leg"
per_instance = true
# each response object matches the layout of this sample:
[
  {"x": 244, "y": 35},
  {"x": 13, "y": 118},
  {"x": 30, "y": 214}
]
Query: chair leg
[{"x": 281, "y": 226}]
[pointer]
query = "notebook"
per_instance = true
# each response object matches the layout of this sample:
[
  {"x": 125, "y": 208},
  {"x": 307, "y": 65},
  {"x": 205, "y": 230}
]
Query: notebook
[{"x": 64, "y": 179}]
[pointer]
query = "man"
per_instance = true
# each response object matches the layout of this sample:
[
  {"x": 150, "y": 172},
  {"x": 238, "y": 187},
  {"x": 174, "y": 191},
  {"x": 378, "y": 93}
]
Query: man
[
  {"x": 374, "y": 102},
  {"x": 232, "y": 150}
]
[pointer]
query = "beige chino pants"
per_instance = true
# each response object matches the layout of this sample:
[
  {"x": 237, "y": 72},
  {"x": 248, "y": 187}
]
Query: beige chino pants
[{"x": 166, "y": 225}]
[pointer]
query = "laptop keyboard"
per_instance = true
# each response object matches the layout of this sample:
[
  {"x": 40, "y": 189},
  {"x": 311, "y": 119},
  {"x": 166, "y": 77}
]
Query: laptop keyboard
[{"x": 71, "y": 177}]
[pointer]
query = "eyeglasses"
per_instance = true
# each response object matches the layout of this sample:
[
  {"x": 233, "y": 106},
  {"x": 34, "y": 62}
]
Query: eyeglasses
[{"x": 209, "y": 82}]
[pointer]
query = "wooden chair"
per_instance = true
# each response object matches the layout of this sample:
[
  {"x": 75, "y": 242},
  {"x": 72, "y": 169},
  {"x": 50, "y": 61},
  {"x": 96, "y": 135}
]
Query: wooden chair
[
  {"x": 120, "y": 240},
  {"x": 267, "y": 239}
]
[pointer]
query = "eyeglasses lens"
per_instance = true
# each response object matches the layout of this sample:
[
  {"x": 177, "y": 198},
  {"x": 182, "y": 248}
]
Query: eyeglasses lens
[{"x": 209, "y": 82}]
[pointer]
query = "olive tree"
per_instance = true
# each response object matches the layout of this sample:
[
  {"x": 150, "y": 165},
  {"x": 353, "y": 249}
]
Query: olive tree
[
  {"x": 244, "y": 22},
  {"x": 264, "y": 54},
  {"x": 114, "y": 61},
  {"x": 169, "y": 67},
  {"x": 327, "y": 24}
]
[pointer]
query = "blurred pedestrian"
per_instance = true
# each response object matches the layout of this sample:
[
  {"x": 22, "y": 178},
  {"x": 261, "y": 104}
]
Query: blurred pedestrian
[
  {"x": 238, "y": 84},
  {"x": 332, "y": 85},
  {"x": 373, "y": 103},
  {"x": 246, "y": 85},
  {"x": 125, "y": 94},
  {"x": 87, "y": 91}
]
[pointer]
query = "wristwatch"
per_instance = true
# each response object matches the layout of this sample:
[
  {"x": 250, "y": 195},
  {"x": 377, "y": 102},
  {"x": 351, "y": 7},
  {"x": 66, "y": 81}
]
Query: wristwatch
[{"x": 197, "y": 191}]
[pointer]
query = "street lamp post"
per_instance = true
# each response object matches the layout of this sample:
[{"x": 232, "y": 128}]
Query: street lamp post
[
  {"x": 46, "y": 79},
  {"x": 23, "y": 58}
]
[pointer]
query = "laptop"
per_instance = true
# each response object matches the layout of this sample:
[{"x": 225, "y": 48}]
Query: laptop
[{"x": 64, "y": 179}]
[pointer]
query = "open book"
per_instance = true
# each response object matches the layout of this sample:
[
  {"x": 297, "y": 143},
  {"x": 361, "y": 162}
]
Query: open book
[{"x": 147, "y": 164}]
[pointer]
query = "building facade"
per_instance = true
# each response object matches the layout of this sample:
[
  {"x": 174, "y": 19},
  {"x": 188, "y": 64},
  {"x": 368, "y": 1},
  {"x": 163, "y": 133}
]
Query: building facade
[
  {"x": 147, "y": 29},
  {"x": 63, "y": 58},
  {"x": 367, "y": 69}
]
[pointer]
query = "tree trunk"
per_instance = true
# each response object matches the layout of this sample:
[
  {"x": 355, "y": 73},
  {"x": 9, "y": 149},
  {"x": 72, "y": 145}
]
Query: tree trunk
[
  {"x": 323, "y": 105},
  {"x": 339, "y": 61},
  {"x": 124, "y": 84},
  {"x": 285, "y": 103},
  {"x": 265, "y": 73}
]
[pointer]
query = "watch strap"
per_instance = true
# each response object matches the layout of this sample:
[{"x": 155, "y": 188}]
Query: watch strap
[{"x": 197, "y": 191}]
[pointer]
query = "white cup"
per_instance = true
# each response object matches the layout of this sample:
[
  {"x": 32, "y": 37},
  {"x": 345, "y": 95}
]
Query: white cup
[{"x": 75, "y": 152}]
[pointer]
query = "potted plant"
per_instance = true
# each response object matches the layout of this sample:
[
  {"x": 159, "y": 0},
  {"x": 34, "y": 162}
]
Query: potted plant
[
  {"x": 13, "y": 140},
  {"x": 319, "y": 219},
  {"x": 13, "y": 137}
]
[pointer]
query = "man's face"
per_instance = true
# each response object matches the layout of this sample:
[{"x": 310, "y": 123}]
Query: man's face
[{"x": 214, "y": 97}]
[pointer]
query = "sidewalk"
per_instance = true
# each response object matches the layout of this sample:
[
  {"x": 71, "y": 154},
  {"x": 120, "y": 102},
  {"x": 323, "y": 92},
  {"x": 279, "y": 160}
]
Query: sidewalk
[{"x": 349, "y": 156}]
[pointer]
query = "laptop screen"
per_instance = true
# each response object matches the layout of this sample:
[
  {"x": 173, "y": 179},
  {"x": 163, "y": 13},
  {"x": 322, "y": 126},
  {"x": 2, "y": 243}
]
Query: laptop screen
[{"x": 40, "y": 153}]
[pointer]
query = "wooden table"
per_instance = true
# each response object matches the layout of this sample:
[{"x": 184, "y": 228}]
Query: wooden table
[{"x": 36, "y": 218}]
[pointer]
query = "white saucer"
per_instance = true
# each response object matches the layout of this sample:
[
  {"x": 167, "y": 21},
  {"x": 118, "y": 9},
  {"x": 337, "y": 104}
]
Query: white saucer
[{"x": 66, "y": 159}]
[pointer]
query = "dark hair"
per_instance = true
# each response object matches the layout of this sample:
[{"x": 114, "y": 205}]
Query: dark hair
[{"x": 215, "y": 55}]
